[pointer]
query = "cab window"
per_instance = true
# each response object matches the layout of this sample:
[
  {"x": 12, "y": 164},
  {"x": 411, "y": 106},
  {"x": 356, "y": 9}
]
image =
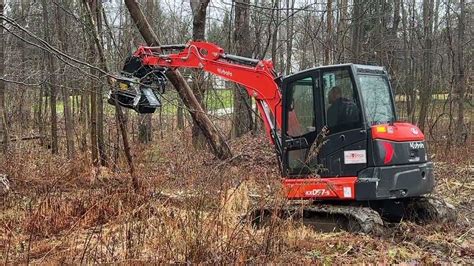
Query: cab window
[
  {"x": 301, "y": 119},
  {"x": 340, "y": 103},
  {"x": 301, "y": 123}
]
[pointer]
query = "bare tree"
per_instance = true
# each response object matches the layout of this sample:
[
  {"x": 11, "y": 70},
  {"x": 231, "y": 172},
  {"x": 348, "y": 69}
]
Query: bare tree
[
  {"x": 460, "y": 75},
  {"x": 215, "y": 139},
  {"x": 118, "y": 110},
  {"x": 356, "y": 29},
  {"x": 3, "y": 114},
  {"x": 93, "y": 93},
  {"x": 289, "y": 34},
  {"x": 242, "y": 116},
  {"x": 427, "y": 62},
  {"x": 328, "y": 49},
  {"x": 68, "y": 123},
  {"x": 100, "y": 100},
  {"x": 52, "y": 83},
  {"x": 145, "y": 128},
  {"x": 199, "y": 9}
]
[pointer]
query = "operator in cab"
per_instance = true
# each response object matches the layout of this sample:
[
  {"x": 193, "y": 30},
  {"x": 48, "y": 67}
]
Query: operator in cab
[{"x": 342, "y": 112}]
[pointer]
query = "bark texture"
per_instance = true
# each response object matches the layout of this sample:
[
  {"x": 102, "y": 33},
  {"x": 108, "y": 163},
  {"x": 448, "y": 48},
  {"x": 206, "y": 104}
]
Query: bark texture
[{"x": 242, "y": 102}]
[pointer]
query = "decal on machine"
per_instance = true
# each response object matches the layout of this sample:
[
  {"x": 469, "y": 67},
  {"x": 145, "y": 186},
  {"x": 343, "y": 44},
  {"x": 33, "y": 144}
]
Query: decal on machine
[
  {"x": 355, "y": 157},
  {"x": 224, "y": 72},
  {"x": 417, "y": 145},
  {"x": 317, "y": 192},
  {"x": 347, "y": 192}
]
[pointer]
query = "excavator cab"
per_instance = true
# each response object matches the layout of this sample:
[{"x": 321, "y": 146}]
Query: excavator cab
[{"x": 354, "y": 106}]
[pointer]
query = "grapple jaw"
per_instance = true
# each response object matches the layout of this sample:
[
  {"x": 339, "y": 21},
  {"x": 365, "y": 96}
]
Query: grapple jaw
[{"x": 138, "y": 87}]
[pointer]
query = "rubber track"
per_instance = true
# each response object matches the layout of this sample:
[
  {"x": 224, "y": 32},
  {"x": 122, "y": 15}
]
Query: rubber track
[{"x": 367, "y": 220}]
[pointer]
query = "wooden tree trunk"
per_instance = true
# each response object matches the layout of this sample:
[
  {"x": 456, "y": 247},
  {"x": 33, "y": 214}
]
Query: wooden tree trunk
[
  {"x": 276, "y": 14},
  {"x": 242, "y": 116},
  {"x": 68, "y": 120},
  {"x": 93, "y": 94},
  {"x": 460, "y": 77},
  {"x": 3, "y": 114},
  {"x": 100, "y": 99},
  {"x": 50, "y": 66},
  {"x": 329, "y": 35},
  {"x": 289, "y": 34},
  {"x": 426, "y": 79},
  {"x": 199, "y": 8},
  {"x": 118, "y": 110},
  {"x": 356, "y": 30},
  {"x": 145, "y": 127},
  {"x": 215, "y": 139},
  {"x": 341, "y": 32}
]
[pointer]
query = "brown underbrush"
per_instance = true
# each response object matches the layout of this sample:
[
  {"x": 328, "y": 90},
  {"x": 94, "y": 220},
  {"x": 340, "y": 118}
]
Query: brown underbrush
[{"x": 191, "y": 207}]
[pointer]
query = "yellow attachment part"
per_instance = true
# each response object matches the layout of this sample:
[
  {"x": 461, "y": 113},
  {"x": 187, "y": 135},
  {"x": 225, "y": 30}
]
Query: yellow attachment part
[{"x": 123, "y": 86}]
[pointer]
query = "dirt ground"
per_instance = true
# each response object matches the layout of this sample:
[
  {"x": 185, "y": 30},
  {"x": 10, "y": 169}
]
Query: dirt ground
[{"x": 61, "y": 211}]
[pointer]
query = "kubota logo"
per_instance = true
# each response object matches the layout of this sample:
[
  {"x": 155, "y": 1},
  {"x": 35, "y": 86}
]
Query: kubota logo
[
  {"x": 417, "y": 145},
  {"x": 224, "y": 72},
  {"x": 317, "y": 192}
]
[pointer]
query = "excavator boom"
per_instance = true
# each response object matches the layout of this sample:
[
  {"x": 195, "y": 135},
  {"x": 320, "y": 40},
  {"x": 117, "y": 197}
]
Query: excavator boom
[{"x": 257, "y": 76}]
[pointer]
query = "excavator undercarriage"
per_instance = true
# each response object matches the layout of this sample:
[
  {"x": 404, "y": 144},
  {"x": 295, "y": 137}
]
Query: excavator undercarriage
[{"x": 365, "y": 217}]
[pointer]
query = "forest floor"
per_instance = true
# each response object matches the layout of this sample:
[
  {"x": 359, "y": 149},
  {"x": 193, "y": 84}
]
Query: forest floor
[{"x": 61, "y": 211}]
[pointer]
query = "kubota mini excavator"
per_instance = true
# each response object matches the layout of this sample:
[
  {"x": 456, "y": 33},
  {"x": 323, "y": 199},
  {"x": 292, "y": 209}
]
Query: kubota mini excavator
[{"x": 370, "y": 165}]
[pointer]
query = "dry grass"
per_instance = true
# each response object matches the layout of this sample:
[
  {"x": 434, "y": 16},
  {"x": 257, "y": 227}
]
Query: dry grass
[{"x": 66, "y": 212}]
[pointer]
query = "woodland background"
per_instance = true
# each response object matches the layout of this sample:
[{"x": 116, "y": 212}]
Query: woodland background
[{"x": 69, "y": 155}]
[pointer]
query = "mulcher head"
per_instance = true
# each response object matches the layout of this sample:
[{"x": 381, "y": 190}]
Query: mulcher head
[{"x": 139, "y": 87}]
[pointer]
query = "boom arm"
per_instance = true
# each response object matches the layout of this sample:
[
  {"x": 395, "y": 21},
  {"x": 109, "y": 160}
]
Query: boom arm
[{"x": 256, "y": 76}]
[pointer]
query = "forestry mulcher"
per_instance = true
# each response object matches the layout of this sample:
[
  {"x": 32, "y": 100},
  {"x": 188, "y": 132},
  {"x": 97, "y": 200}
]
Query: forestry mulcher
[{"x": 367, "y": 164}]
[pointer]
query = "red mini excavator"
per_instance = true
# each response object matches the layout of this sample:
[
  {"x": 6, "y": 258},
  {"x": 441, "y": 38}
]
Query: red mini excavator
[{"x": 368, "y": 165}]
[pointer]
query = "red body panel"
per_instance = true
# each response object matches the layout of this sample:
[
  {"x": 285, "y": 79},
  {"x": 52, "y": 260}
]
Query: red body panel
[
  {"x": 341, "y": 188},
  {"x": 398, "y": 132}
]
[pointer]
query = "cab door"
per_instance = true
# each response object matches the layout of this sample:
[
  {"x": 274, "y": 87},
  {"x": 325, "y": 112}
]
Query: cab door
[
  {"x": 345, "y": 151},
  {"x": 300, "y": 122}
]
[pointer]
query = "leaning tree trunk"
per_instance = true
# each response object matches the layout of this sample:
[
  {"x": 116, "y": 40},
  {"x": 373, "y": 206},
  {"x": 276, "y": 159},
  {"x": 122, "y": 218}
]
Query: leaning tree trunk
[{"x": 218, "y": 145}]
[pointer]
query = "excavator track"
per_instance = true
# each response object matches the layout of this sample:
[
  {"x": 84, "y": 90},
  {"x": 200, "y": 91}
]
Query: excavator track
[
  {"x": 325, "y": 217},
  {"x": 430, "y": 209},
  {"x": 357, "y": 218}
]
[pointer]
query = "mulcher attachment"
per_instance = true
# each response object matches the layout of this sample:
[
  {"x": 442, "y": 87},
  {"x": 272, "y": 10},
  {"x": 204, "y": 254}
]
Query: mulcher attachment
[{"x": 138, "y": 87}]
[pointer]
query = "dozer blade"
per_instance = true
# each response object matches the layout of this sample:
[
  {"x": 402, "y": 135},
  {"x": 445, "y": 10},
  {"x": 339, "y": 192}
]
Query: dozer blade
[{"x": 325, "y": 217}]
